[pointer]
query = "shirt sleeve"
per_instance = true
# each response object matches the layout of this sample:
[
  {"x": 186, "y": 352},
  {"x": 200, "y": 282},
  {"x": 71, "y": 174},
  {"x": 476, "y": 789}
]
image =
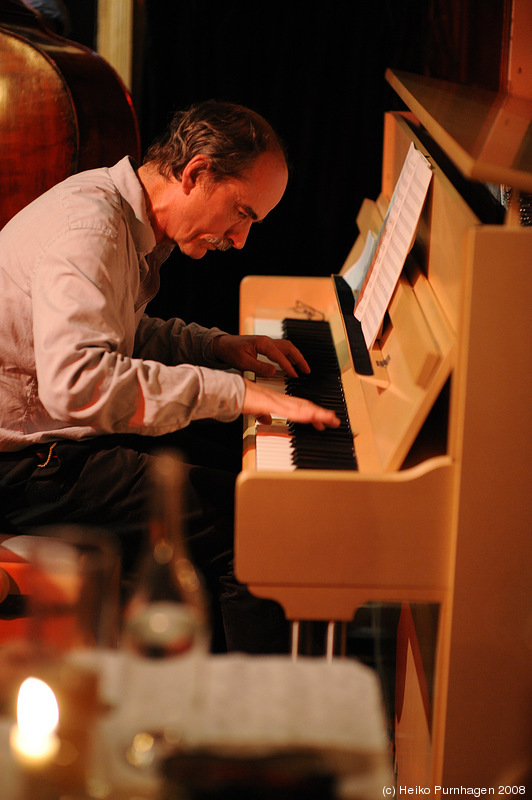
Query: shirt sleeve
[
  {"x": 84, "y": 293},
  {"x": 175, "y": 342}
]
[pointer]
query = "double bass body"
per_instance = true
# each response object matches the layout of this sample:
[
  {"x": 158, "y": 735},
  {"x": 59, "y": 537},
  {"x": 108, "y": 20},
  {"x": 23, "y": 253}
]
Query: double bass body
[{"x": 63, "y": 109}]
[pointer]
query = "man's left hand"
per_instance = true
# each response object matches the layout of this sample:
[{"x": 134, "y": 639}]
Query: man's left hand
[{"x": 241, "y": 352}]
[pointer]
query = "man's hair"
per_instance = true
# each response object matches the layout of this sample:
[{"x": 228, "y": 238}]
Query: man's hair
[{"x": 231, "y": 135}]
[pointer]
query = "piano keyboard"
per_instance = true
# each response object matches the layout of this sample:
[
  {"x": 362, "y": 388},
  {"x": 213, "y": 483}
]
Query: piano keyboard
[{"x": 287, "y": 445}]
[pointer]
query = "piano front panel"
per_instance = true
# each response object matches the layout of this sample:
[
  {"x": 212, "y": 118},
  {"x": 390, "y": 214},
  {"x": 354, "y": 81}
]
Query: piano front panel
[{"x": 344, "y": 538}]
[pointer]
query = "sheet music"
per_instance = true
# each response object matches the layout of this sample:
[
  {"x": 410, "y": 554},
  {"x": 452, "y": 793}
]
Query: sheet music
[{"x": 395, "y": 240}]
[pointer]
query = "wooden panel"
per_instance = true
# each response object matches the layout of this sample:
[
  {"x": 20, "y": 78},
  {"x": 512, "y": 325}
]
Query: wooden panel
[
  {"x": 412, "y": 733},
  {"x": 367, "y": 537},
  {"x": 486, "y": 134},
  {"x": 490, "y": 648}
]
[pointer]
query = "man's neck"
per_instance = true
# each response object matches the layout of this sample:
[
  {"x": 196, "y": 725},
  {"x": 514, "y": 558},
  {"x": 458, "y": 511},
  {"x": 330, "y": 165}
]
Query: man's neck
[{"x": 154, "y": 186}]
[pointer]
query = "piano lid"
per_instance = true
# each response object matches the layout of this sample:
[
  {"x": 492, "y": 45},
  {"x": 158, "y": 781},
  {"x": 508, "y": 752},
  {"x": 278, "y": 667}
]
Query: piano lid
[{"x": 488, "y": 135}]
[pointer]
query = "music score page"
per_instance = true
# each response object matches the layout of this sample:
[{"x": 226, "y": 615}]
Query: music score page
[{"x": 395, "y": 240}]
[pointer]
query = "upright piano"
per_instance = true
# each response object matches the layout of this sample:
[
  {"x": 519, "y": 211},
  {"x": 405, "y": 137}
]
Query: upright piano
[{"x": 434, "y": 510}]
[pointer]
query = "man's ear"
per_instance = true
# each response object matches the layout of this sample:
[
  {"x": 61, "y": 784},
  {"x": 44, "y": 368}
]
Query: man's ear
[{"x": 196, "y": 167}]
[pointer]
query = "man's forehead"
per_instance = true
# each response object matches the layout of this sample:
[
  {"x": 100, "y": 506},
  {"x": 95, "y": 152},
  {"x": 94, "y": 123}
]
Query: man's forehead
[{"x": 265, "y": 182}]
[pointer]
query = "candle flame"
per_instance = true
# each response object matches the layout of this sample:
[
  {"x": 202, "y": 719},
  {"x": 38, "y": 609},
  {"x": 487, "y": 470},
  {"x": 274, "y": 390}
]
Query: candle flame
[{"x": 37, "y": 718}]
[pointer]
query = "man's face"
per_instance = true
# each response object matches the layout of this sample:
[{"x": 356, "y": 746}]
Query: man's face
[{"x": 219, "y": 216}]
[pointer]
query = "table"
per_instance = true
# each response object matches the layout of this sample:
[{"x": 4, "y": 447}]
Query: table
[{"x": 241, "y": 704}]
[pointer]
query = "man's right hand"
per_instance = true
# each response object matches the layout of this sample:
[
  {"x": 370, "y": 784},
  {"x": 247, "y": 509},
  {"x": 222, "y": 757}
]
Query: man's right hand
[{"x": 262, "y": 402}]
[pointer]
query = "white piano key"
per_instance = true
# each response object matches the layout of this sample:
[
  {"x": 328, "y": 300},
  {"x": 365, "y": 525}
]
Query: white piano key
[
  {"x": 268, "y": 327},
  {"x": 277, "y": 383},
  {"x": 273, "y": 445}
]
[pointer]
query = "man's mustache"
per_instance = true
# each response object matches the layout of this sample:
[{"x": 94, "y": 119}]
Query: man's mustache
[{"x": 219, "y": 242}]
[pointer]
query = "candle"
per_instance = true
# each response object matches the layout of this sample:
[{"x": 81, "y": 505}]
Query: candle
[{"x": 33, "y": 738}]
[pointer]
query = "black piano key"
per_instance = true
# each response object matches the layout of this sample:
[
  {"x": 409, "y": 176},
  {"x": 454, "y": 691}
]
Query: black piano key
[
  {"x": 323, "y": 463},
  {"x": 313, "y": 449},
  {"x": 332, "y": 452}
]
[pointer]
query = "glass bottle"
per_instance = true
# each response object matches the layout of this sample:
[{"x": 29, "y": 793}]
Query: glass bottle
[{"x": 167, "y": 614}]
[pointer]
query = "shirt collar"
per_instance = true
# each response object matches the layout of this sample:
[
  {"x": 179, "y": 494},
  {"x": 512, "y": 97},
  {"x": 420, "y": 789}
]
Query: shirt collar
[{"x": 124, "y": 175}]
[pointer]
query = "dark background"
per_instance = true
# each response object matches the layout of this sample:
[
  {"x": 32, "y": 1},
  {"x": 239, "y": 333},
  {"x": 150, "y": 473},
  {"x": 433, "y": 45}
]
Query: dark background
[{"x": 315, "y": 70}]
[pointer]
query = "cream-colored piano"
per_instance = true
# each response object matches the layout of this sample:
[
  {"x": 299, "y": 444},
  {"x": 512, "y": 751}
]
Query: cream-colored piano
[{"x": 438, "y": 512}]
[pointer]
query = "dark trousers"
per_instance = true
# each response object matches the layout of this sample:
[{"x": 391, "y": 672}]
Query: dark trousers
[{"x": 104, "y": 482}]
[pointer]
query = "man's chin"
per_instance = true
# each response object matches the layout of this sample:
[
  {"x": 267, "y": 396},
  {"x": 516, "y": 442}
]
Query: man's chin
[
  {"x": 197, "y": 249},
  {"x": 194, "y": 251}
]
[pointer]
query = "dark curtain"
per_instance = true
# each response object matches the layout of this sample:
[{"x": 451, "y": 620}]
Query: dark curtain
[{"x": 315, "y": 70}]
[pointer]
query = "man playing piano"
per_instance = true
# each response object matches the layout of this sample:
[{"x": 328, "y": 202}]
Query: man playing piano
[{"x": 89, "y": 383}]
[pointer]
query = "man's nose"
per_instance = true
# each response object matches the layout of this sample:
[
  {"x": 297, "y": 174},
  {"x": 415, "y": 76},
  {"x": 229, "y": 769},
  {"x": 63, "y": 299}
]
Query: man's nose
[{"x": 239, "y": 235}]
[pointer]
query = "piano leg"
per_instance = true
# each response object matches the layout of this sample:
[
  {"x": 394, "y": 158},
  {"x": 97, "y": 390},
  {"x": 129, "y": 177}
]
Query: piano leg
[
  {"x": 333, "y": 639},
  {"x": 330, "y": 639},
  {"x": 329, "y": 648},
  {"x": 294, "y": 649}
]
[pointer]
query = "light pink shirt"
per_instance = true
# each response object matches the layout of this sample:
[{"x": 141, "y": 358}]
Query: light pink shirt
[{"x": 78, "y": 356}]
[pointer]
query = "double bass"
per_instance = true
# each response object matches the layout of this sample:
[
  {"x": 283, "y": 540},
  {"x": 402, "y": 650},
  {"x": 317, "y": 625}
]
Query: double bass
[{"x": 63, "y": 109}]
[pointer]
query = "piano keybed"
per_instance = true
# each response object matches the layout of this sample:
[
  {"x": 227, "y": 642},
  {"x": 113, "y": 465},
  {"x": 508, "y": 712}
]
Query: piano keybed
[{"x": 287, "y": 445}]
